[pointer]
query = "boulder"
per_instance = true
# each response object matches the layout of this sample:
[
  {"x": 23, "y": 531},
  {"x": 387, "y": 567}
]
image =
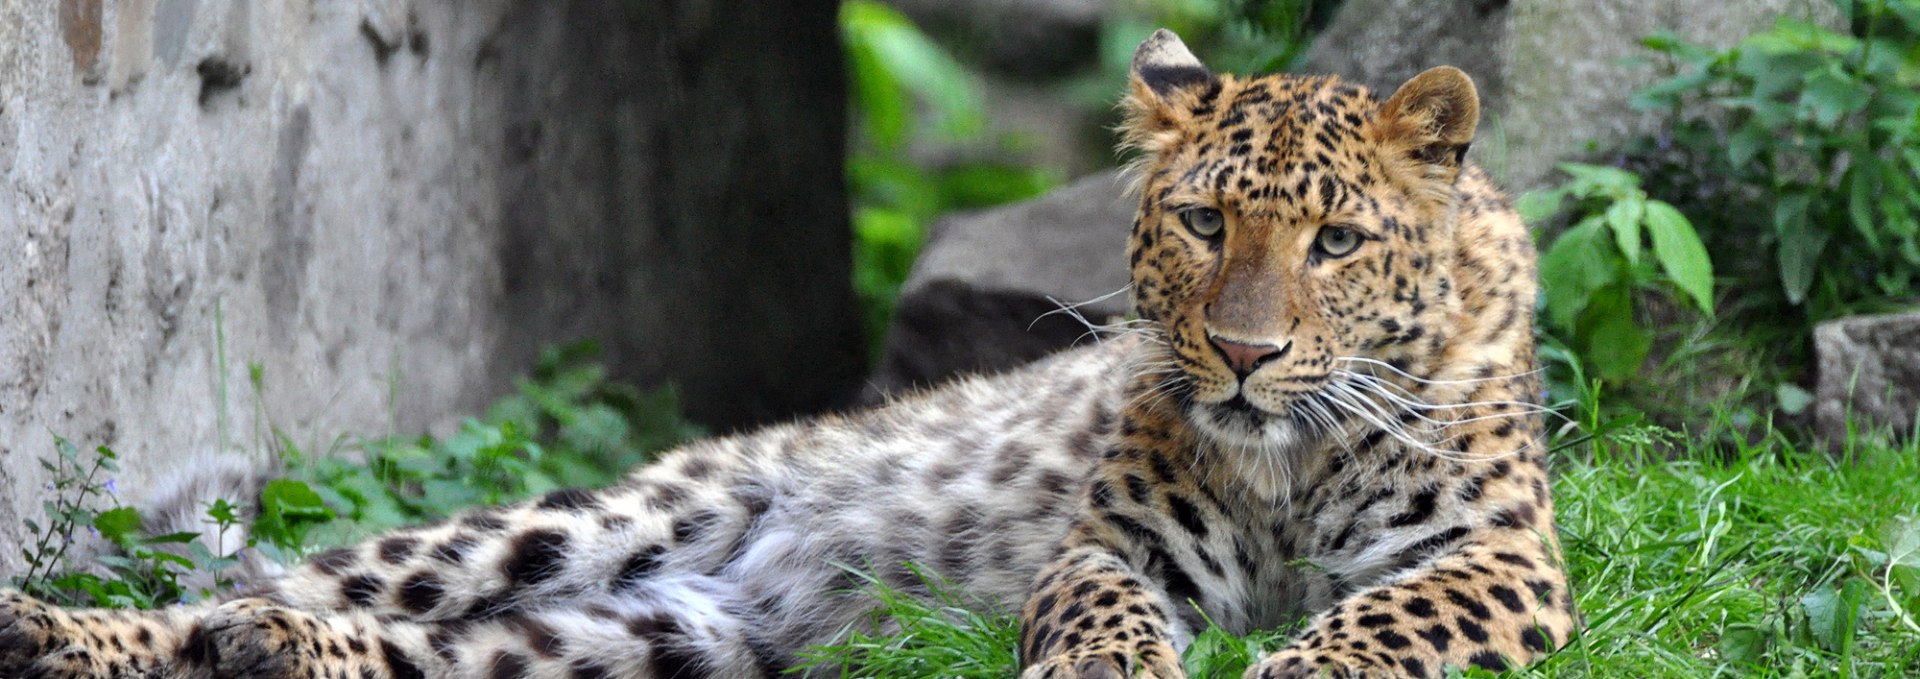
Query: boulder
[
  {"x": 1555, "y": 75},
  {"x": 988, "y": 290},
  {"x": 1869, "y": 373}
]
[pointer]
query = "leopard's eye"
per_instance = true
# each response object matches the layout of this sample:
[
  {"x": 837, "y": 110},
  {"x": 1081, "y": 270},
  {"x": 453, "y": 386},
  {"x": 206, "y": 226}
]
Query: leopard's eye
[
  {"x": 1205, "y": 222},
  {"x": 1336, "y": 241}
]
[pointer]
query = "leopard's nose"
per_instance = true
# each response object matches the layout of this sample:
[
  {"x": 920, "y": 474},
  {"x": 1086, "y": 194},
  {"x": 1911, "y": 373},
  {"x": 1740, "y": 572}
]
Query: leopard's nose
[{"x": 1244, "y": 358}]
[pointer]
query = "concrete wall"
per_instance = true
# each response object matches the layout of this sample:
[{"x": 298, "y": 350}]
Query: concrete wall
[{"x": 375, "y": 197}]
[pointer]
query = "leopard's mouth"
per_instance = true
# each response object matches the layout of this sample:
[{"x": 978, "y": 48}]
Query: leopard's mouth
[
  {"x": 1239, "y": 406},
  {"x": 1240, "y": 422}
]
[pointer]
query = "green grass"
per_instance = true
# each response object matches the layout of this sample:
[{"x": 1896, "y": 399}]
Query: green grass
[{"x": 1769, "y": 561}]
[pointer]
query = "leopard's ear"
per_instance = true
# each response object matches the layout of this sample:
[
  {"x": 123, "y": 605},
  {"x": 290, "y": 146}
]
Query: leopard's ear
[
  {"x": 1167, "y": 83},
  {"x": 1429, "y": 122}
]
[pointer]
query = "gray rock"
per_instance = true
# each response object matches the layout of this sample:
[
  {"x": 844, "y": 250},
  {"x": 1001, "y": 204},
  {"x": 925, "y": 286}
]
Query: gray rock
[
  {"x": 1869, "y": 372},
  {"x": 1555, "y": 75},
  {"x": 980, "y": 296}
]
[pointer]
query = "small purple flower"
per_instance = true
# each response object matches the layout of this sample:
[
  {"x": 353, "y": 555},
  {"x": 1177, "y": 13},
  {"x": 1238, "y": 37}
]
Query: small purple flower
[{"x": 112, "y": 488}]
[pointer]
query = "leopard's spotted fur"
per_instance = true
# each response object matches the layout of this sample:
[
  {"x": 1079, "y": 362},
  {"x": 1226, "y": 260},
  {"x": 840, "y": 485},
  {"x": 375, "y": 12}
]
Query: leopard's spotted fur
[{"x": 1289, "y": 433}]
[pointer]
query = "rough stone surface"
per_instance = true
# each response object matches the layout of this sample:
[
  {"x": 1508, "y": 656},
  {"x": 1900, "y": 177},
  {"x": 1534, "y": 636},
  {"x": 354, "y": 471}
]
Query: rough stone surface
[
  {"x": 1028, "y": 38},
  {"x": 392, "y": 205},
  {"x": 981, "y": 295},
  {"x": 1555, "y": 75},
  {"x": 1869, "y": 371}
]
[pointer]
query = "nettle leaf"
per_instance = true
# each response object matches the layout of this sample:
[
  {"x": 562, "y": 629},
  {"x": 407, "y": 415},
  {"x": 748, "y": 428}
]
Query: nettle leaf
[
  {"x": 287, "y": 509},
  {"x": 1860, "y": 183},
  {"x": 1536, "y": 206},
  {"x": 1624, "y": 216},
  {"x": 1575, "y": 266},
  {"x": 1833, "y": 614},
  {"x": 1747, "y": 142},
  {"x": 1801, "y": 242},
  {"x": 1830, "y": 94},
  {"x": 1774, "y": 73},
  {"x": 117, "y": 524},
  {"x": 182, "y": 537},
  {"x": 1903, "y": 553},
  {"x": 1599, "y": 180},
  {"x": 1680, "y": 252},
  {"x": 1614, "y": 344},
  {"x": 1746, "y": 643}
]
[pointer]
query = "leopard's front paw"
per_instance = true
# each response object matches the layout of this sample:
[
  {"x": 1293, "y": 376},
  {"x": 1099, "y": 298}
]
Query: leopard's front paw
[
  {"x": 34, "y": 638},
  {"x": 1110, "y": 660},
  {"x": 39, "y": 640},
  {"x": 254, "y": 638},
  {"x": 1299, "y": 663}
]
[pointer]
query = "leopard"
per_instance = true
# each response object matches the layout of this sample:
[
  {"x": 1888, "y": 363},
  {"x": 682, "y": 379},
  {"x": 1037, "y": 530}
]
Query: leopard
[{"x": 1325, "y": 413}]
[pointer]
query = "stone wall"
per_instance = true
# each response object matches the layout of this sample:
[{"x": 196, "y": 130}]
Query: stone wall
[{"x": 392, "y": 205}]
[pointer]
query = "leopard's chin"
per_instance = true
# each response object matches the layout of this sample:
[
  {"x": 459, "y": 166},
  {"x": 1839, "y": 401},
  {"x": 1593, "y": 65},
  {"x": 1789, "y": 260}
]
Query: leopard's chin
[{"x": 1236, "y": 423}]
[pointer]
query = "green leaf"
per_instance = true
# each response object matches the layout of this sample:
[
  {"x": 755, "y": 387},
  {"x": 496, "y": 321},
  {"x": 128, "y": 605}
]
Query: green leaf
[
  {"x": 1831, "y": 93},
  {"x": 1535, "y": 206},
  {"x": 1860, "y": 185},
  {"x": 1747, "y": 142},
  {"x": 1576, "y": 265},
  {"x": 181, "y": 538},
  {"x": 223, "y": 512},
  {"x": 1599, "y": 180},
  {"x": 1624, "y": 216},
  {"x": 1614, "y": 344},
  {"x": 897, "y": 52},
  {"x": 1833, "y": 615},
  {"x": 117, "y": 524},
  {"x": 287, "y": 509},
  {"x": 1775, "y": 75},
  {"x": 1903, "y": 559},
  {"x": 881, "y": 105},
  {"x": 1680, "y": 252},
  {"x": 1801, "y": 243},
  {"x": 1745, "y": 643},
  {"x": 1793, "y": 400}
]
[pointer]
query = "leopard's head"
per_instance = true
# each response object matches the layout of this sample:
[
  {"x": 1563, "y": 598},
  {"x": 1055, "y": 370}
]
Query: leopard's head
[{"x": 1290, "y": 228}]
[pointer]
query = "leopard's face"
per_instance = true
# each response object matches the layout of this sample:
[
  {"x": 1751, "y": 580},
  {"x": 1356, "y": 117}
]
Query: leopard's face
[{"x": 1288, "y": 234}]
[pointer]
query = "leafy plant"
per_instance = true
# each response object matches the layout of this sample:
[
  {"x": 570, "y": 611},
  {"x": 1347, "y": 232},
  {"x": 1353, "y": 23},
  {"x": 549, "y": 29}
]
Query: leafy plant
[
  {"x": 146, "y": 570},
  {"x": 1817, "y": 132},
  {"x": 1596, "y": 268},
  {"x": 907, "y": 89},
  {"x": 567, "y": 425}
]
